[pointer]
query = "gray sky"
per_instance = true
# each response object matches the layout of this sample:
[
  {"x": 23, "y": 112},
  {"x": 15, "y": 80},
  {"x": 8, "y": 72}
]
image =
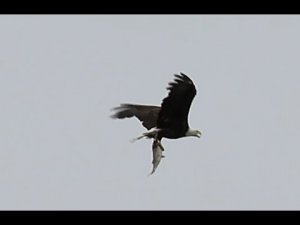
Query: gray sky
[{"x": 60, "y": 75}]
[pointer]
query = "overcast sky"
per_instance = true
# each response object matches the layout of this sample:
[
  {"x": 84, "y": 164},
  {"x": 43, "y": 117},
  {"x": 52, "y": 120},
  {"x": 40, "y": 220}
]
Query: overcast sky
[{"x": 61, "y": 74}]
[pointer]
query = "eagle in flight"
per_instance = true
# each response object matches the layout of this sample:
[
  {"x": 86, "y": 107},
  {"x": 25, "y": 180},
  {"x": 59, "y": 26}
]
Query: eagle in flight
[{"x": 170, "y": 120}]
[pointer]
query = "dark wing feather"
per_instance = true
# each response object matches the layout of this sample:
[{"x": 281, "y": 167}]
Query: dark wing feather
[
  {"x": 176, "y": 106},
  {"x": 147, "y": 114}
]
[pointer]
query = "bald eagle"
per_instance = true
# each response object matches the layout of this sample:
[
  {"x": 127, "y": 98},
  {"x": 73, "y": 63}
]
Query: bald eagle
[{"x": 170, "y": 120}]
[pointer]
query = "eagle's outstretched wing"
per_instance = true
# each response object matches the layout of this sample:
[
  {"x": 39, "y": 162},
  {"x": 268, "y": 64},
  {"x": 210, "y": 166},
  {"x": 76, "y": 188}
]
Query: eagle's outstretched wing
[
  {"x": 147, "y": 114},
  {"x": 176, "y": 106}
]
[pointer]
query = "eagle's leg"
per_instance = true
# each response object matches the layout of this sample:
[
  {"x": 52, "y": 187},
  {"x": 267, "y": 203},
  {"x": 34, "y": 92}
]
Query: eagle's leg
[
  {"x": 160, "y": 145},
  {"x": 152, "y": 133},
  {"x": 158, "y": 141}
]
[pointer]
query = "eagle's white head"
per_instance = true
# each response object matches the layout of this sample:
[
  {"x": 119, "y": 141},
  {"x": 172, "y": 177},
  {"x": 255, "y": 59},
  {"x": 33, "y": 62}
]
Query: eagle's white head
[{"x": 194, "y": 133}]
